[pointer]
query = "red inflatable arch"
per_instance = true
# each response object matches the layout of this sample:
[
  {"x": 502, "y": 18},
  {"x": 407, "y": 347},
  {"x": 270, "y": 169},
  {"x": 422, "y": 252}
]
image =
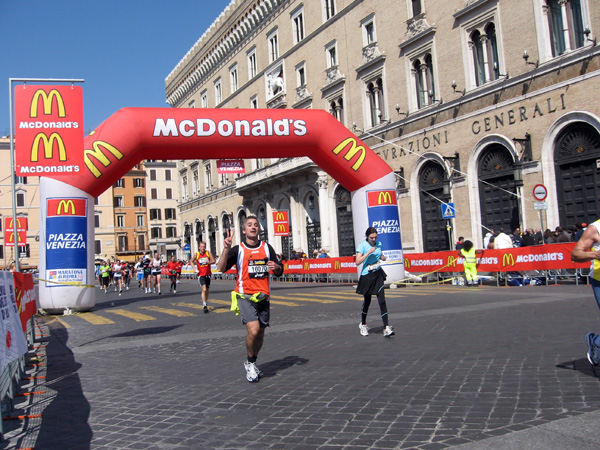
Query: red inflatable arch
[{"x": 135, "y": 134}]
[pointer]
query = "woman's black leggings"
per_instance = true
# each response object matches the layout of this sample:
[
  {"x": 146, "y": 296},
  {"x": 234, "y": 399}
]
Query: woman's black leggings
[
  {"x": 173, "y": 282},
  {"x": 382, "y": 307}
]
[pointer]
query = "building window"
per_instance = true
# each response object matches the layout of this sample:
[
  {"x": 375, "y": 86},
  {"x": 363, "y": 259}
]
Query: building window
[
  {"x": 120, "y": 221},
  {"x": 565, "y": 23},
  {"x": 233, "y": 78},
  {"x": 20, "y": 180},
  {"x": 169, "y": 193},
  {"x": 138, "y": 182},
  {"x": 301, "y": 75},
  {"x": 298, "y": 25},
  {"x": 140, "y": 220},
  {"x": 204, "y": 99},
  {"x": 120, "y": 183},
  {"x": 122, "y": 243},
  {"x": 168, "y": 174},
  {"x": 152, "y": 175},
  {"x": 24, "y": 251},
  {"x": 141, "y": 241},
  {"x": 375, "y": 96},
  {"x": 20, "y": 199},
  {"x": 218, "y": 92},
  {"x": 192, "y": 104},
  {"x": 222, "y": 180},
  {"x": 97, "y": 220},
  {"x": 273, "y": 46},
  {"x": 254, "y": 102},
  {"x": 328, "y": 9},
  {"x": 424, "y": 80},
  {"x": 208, "y": 182},
  {"x": 252, "y": 67},
  {"x": 196, "y": 181},
  {"x": 184, "y": 188},
  {"x": 153, "y": 193},
  {"x": 97, "y": 246},
  {"x": 331, "y": 52},
  {"x": 416, "y": 7},
  {"x": 485, "y": 55},
  {"x": 336, "y": 108},
  {"x": 155, "y": 214},
  {"x": 171, "y": 232},
  {"x": 118, "y": 202},
  {"x": 170, "y": 214},
  {"x": 368, "y": 28},
  {"x": 139, "y": 201},
  {"x": 156, "y": 233}
]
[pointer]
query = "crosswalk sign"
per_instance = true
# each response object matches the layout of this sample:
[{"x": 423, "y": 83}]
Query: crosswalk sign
[{"x": 448, "y": 211}]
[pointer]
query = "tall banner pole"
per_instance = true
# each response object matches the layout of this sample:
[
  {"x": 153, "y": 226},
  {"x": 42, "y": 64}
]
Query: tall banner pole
[{"x": 12, "y": 176}]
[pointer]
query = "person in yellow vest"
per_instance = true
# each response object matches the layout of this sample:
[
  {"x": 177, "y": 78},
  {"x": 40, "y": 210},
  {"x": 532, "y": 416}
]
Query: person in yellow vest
[
  {"x": 204, "y": 260},
  {"x": 469, "y": 254},
  {"x": 588, "y": 249}
]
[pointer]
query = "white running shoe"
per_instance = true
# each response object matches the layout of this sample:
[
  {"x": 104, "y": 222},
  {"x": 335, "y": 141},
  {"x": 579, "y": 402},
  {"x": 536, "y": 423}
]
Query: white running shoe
[
  {"x": 252, "y": 372},
  {"x": 388, "y": 331},
  {"x": 364, "y": 330}
]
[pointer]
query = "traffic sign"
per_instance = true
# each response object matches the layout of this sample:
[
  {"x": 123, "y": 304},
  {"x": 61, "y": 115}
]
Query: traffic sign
[
  {"x": 540, "y": 192},
  {"x": 187, "y": 248},
  {"x": 540, "y": 205},
  {"x": 448, "y": 211}
]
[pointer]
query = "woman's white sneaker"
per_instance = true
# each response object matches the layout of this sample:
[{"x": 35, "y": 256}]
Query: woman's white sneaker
[
  {"x": 364, "y": 330},
  {"x": 388, "y": 331}
]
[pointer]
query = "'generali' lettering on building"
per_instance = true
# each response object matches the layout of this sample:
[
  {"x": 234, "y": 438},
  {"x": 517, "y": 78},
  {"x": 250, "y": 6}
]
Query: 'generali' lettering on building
[
  {"x": 226, "y": 128},
  {"x": 520, "y": 114}
]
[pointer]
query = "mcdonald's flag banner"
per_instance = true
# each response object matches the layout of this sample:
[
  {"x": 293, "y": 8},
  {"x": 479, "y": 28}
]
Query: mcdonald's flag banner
[
  {"x": 522, "y": 259},
  {"x": 25, "y": 297},
  {"x": 13, "y": 344},
  {"x": 48, "y": 130},
  {"x": 66, "y": 237},
  {"x": 281, "y": 223},
  {"x": 9, "y": 231}
]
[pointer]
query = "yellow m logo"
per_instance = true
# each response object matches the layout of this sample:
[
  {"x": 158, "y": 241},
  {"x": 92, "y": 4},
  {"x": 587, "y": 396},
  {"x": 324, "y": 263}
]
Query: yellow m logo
[
  {"x": 280, "y": 216},
  {"x": 352, "y": 151},
  {"x": 99, "y": 155},
  {"x": 406, "y": 263},
  {"x": 280, "y": 228},
  {"x": 452, "y": 261},
  {"x": 306, "y": 266},
  {"x": 47, "y": 100},
  {"x": 64, "y": 206},
  {"x": 337, "y": 265},
  {"x": 508, "y": 259},
  {"x": 385, "y": 198},
  {"x": 48, "y": 143}
]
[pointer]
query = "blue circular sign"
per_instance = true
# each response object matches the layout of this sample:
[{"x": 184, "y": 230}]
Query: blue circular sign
[{"x": 187, "y": 248}]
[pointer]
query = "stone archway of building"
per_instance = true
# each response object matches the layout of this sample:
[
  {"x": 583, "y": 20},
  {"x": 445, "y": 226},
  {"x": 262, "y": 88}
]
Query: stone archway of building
[
  {"x": 343, "y": 214},
  {"x": 498, "y": 199},
  {"x": 433, "y": 191},
  {"x": 135, "y": 134},
  {"x": 577, "y": 159}
]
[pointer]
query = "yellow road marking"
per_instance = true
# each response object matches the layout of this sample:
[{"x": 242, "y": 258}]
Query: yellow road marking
[
  {"x": 210, "y": 308},
  {"x": 95, "y": 319},
  {"x": 169, "y": 311},
  {"x": 308, "y": 299},
  {"x": 138, "y": 317},
  {"x": 62, "y": 322}
]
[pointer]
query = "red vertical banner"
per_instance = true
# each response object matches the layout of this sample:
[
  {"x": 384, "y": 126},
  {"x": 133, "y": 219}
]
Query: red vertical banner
[
  {"x": 281, "y": 223},
  {"x": 48, "y": 130},
  {"x": 25, "y": 296},
  {"x": 10, "y": 237}
]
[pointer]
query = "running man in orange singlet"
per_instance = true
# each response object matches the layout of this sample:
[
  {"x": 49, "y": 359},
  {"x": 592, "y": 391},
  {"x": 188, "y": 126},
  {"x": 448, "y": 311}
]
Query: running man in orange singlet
[
  {"x": 204, "y": 260},
  {"x": 254, "y": 260}
]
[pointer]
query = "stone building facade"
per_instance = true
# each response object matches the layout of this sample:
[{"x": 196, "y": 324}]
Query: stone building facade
[{"x": 473, "y": 102}]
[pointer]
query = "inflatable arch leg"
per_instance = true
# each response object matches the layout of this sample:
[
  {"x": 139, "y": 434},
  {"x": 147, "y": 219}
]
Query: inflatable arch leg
[{"x": 67, "y": 276}]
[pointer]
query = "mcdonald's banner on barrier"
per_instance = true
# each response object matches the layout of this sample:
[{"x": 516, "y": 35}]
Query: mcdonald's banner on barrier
[
  {"x": 344, "y": 264},
  {"x": 66, "y": 238},
  {"x": 522, "y": 259},
  {"x": 25, "y": 297},
  {"x": 281, "y": 223},
  {"x": 12, "y": 339},
  {"x": 231, "y": 166},
  {"x": 48, "y": 130}
]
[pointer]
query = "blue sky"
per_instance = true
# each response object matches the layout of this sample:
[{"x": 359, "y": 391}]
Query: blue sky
[{"x": 123, "y": 49}]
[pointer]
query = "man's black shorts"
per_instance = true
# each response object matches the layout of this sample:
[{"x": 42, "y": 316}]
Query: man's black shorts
[{"x": 204, "y": 281}]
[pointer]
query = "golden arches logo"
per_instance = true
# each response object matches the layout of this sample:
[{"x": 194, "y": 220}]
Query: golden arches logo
[
  {"x": 452, "y": 260},
  {"x": 11, "y": 224},
  {"x": 100, "y": 156},
  {"x": 508, "y": 259},
  {"x": 285, "y": 267},
  {"x": 48, "y": 143},
  {"x": 281, "y": 228},
  {"x": 279, "y": 216},
  {"x": 406, "y": 263},
  {"x": 306, "y": 266},
  {"x": 64, "y": 206},
  {"x": 47, "y": 100},
  {"x": 384, "y": 198},
  {"x": 337, "y": 265},
  {"x": 353, "y": 150}
]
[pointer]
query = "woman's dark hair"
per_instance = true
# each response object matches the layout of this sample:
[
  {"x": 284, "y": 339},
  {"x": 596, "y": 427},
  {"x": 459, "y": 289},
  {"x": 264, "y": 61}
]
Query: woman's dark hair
[
  {"x": 467, "y": 245},
  {"x": 370, "y": 230}
]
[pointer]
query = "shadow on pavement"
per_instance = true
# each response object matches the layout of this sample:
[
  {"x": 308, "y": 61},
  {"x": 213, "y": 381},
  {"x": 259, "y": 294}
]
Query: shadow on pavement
[
  {"x": 65, "y": 419},
  {"x": 271, "y": 368},
  {"x": 581, "y": 365},
  {"x": 133, "y": 333}
]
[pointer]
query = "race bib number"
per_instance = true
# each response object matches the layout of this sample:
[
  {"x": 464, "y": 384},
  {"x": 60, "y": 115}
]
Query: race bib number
[
  {"x": 258, "y": 268},
  {"x": 203, "y": 261}
]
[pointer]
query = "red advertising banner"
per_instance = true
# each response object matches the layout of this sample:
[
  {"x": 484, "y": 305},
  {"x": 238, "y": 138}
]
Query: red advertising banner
[
  {"x": 344, "y": 264},
  {"x": 66, "y": 207},
  {"x": 48, "y": 130},
  {"x": 539, "y": 257},
  {"x": 231, "y": 166},
  {"x": 9, "y": 231},
  {"x": 25, "y": 296},
  {"x": 281, "y": 223}
]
